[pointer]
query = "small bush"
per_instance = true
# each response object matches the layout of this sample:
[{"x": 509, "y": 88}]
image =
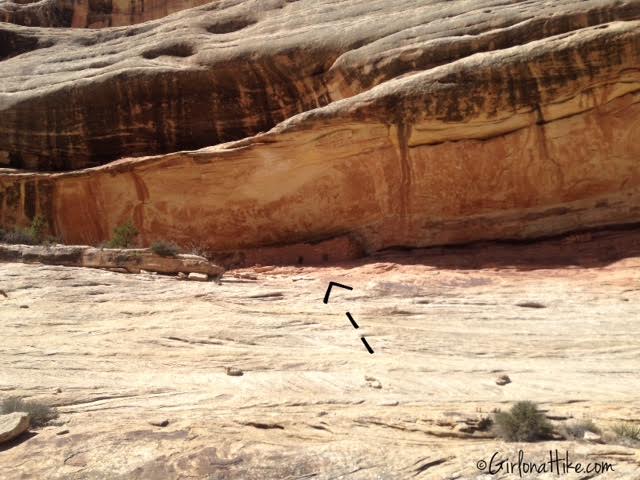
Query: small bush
[
  {"x": 523, "y": 423},
  {"x": 37, "y": 228},
  {"x": 19, "y": 237},
  {"x": 485, "y": 423},
  {"x": 627, "y": 431},
  {"x": 197, "y": 249},
  {"x": 576, "y": 429},
  {"x": 34, "y": 235},
  {"x": 39, "y": 413},
  {"x": 164, "y": 249},
  {"x": 123, "y": 236}
]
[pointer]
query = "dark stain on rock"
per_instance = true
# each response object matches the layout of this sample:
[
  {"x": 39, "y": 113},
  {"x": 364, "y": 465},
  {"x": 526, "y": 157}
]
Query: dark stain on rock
[
  {"x": 530, "y": 305},
  {"x": 230, "y": 25},
  {"x": 264, "y": 426},
  {"x": 29, "y": 200},
  {"x": 171, "y": 50},
  {"x": 547, "y": 213},
  {"x": 13, "y": 43}
]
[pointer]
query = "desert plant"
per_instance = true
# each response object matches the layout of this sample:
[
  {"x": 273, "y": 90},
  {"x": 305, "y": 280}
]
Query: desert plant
[
  {"x": 165, "y": 249},
  {"x": 34, "y": 235},
  {"x": 627, "y": 430},
  {"x": 123, "y": 236},
  {"x": 576, "y": 429},
  {"x": 523, "y": 423},
  {"x": 485, "y": 423},
  {"x": 39, "y": 413},
  {"x": 36, "y": 230},
  {"x": 19, "y": 237},
  {"x": 197, "y": 249}
]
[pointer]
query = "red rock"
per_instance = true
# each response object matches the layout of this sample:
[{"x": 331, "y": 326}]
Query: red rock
[{"x": 441, "y": 125}]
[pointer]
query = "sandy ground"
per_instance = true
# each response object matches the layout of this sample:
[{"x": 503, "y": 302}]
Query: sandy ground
[{"x": 117, "y": 351}]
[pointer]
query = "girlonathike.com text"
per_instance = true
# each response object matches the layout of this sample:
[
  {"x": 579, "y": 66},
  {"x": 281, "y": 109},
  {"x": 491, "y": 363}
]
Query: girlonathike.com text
[{"x": 554, "y": 464}]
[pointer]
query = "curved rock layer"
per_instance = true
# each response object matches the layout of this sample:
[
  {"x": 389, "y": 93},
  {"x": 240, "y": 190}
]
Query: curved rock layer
[
  {"x": 72, "y": 99},
  {"x": 397, "y": 123},
  {"x": 89, "y": 13}
]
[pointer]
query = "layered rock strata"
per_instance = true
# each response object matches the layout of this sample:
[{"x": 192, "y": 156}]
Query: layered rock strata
[
  {"x": 394, "y": 123},
  {"x": 89, "y": 13}
]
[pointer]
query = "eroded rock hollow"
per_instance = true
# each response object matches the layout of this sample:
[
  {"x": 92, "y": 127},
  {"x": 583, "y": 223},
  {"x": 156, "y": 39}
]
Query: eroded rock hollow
[{"x": 250, "y": 124}]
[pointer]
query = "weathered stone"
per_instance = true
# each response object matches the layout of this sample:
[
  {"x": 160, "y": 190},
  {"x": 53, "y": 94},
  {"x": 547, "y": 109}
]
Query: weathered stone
[
  {"x": 91, "y": 14},
  {"x": 503, "y": 380},
  {"x": 156, "y": 350},
  {"x": 450, "y": 123},
  {"x": 159, "y": 423},
  {"x": 592, "y": 437},
  {"x": 309, "y": 132},
  {"x": 198, "y": 277},
  {"x": 130, "y": 260},
  {"x": 118, "y": 270},
  {"x": 234, "y": 371},
  {"x": 12, "y": 425}
]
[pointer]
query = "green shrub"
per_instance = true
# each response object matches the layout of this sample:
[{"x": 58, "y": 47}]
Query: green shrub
[
  {"x": 164, "y": 249},
  {"x": 627, "y": 431},
  {"x": 485, "y": 423},
  {"x": 19, "y": 237},
  {"x": 34, "y": 235},
  {"x": 123, "y": 236},
  {"x": 39, "y": 413},
  {"x": 38, "y": 225},
  {"x": 523, "y": 423}
]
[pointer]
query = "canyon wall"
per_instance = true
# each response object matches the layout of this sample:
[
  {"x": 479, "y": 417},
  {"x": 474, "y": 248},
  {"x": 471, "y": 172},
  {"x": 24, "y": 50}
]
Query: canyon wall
[
  {"x": 89, "y": 13},
  {"x": 249, "y": 124}
]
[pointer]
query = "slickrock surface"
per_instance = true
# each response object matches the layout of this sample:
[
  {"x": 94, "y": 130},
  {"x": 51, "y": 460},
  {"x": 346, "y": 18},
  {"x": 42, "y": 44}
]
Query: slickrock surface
[
  {"x": 117, "y": 351},
  {"x": 400, "y": 123}
]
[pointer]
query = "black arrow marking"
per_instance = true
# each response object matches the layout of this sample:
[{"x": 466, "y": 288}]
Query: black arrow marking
[
  {"x": 364, "y": 340},
  {"x": 353, "y": 322},
  {"x": 334, "y": 284}
]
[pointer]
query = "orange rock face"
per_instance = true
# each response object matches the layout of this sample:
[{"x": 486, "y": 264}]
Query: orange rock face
[{"x": 274, "y": 123}]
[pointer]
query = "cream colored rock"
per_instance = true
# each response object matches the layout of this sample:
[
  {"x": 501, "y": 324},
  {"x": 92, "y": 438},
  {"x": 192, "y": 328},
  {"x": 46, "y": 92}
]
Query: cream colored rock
[
  {"x": 442, "y": 322},
  {"x": 592, "y": 437},
  {"x": 159, "y": 422},
  {"x": 198, "y": 277},
  {"x": 12, "y": 425}
]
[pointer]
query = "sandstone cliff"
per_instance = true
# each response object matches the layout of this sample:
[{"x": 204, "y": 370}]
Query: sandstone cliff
[
  {"x": 88, "y": 13},
  {"x": 404, "y": 123}
]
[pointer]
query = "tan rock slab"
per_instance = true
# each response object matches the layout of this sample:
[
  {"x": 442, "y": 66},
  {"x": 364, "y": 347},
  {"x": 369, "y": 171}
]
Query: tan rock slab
[{"x": 12, "y": 425}]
